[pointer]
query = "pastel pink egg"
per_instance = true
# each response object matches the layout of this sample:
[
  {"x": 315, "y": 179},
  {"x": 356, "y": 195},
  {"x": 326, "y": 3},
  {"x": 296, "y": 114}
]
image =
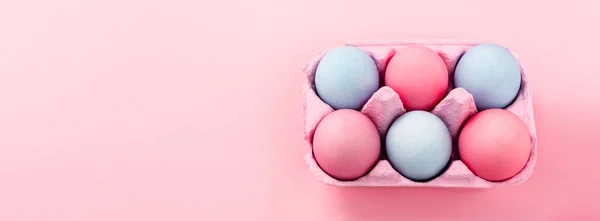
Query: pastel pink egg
[
  {"x": 346, "y": 144},
  {"x": 495, "y": 144},
  {"x": 419, "y": 76}
]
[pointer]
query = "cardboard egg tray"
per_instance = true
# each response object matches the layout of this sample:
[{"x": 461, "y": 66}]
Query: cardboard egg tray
[{"x": 385, "y": 106}]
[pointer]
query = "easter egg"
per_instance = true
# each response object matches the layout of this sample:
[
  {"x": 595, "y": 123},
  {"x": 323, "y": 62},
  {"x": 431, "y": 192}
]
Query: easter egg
[
  {"x": 495, "y": 144},
  {"x": 346, "y": 77},
  {"x": 491, "y": 74},
  {"x": 418, "y": 145},
  {"x": 346, "y": 144},
  {"x": 419, "y": 76}
]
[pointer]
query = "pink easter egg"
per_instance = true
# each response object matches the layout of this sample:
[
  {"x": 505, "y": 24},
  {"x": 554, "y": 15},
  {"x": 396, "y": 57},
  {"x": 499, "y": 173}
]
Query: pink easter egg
[
  {"x": 495, "y": 144},
  {"x": 419, "y": 76},
  {"x": 346, "y": 144}
]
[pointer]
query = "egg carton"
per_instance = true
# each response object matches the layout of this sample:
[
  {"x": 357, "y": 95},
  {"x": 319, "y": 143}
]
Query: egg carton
[{"x": 385, "y": 106}]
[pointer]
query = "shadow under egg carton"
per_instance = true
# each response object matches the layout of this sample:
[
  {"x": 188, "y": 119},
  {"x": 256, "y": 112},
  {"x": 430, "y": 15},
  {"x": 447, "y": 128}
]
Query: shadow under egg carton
[{"x": 385, "y": 106}]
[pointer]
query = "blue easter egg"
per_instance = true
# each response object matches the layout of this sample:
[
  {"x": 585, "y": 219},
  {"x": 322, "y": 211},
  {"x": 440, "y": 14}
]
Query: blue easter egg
[
  {"x": 418, "y": 145},
  {"x": 346, "y": 77},
  {"x": 491, "y": 74}
]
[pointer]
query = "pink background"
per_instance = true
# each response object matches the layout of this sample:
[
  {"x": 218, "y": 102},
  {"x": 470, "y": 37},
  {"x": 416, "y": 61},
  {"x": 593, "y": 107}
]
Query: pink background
[{"x": 190, "y": 110}]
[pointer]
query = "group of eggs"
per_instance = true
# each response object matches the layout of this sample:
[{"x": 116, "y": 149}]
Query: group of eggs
[{"x": 494, "y": 143}]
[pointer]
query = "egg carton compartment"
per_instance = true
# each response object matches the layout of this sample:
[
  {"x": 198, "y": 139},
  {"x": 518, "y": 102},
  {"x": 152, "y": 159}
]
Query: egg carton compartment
[{"x": 385, "y": 106}]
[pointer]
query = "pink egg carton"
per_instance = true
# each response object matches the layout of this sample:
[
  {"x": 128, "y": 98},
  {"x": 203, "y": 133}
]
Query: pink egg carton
[{"x": 385, "y": 106}]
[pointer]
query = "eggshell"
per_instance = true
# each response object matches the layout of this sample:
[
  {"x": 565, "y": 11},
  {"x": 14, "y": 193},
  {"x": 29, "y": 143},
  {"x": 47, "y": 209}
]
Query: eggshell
[
  {"x": 418, "y": 145},
  {"x": 346, "y": 77},
  {"x": 491, "y": 74},
  {"x": 346, "y": 144},
  {"x": 419, "y": 76},
  {"x": 494, "y": 144}
]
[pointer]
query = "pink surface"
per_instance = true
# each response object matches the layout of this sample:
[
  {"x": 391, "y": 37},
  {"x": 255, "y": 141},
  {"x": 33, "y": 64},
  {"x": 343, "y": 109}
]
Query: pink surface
[
  {"x": 385, "y": 106},
  {"x": 189, "y": 110}
]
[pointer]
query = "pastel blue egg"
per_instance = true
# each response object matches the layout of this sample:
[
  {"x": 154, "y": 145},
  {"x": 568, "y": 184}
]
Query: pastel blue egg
[
  {"x": 491, "y": 74},
  {"x": 346, "y": 77},
  {"x": 418, "y": 145}
]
